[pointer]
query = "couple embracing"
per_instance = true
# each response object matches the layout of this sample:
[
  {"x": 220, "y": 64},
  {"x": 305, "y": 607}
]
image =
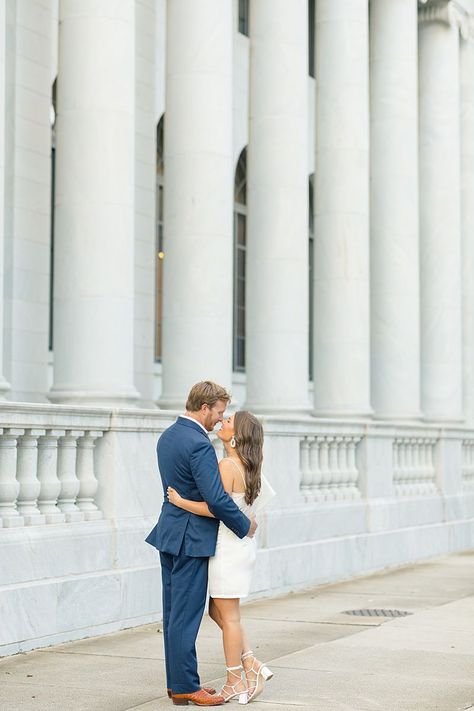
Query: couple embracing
[{"x": 205, "y": 532}]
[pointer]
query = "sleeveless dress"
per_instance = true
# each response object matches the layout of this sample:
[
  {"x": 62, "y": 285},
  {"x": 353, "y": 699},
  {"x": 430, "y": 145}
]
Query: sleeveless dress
[{"x": 231, "y": 568}]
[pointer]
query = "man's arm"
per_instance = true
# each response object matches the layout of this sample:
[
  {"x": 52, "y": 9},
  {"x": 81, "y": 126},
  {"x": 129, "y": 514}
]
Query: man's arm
[{"x": 206, "y": 475}]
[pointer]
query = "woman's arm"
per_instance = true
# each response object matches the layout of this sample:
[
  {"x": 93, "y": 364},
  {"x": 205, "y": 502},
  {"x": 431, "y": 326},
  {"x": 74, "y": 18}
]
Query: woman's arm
[{"x": 200, "y": 508}]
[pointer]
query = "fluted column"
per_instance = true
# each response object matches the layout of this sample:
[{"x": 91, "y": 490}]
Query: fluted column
[
  {"x": 394, "y": 249},
  {"x": 197, "y": 288},
  {"x": 440, "y": 247},
  {"x": 341, "y": 248},
  {"x": 4, "y": 386},
  {"x": 467, "y": 214},
  {"x": 277, "y": 238},
  {"x": 94, "y": 255}
]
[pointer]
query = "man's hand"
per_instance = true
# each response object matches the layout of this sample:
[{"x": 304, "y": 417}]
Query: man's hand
[{"x": 253, "y": 528}]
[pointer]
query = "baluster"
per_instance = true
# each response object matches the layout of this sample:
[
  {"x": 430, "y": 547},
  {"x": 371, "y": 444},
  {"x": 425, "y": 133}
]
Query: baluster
[
  {"x": 86, "y": 475},
  {"x": 338, "y": 472},
  {"x": 325, "y": 468},
  {"x": 27, "y": 475},
  {"x": 305, "y": 480},
  {"x": 352, "y": 467},
  {"x": 67, "y": 476},
  {"x": 418, "y": 467},
  {"x": 48, "y": 476},
  {"x": 314, "y": 457},
  {"x": 430, "y": 447},
  {"x": 397, "y": 466},
  {"x": 343, "y": 464},
  {"x": 412, "y": 472},
  {"x": 9, "y": 485},
  {"x": 343, "y": 467}
]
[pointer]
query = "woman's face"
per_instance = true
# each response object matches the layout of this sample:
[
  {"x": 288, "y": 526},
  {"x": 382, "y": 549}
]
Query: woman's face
[{"x": 227, "y": 431}]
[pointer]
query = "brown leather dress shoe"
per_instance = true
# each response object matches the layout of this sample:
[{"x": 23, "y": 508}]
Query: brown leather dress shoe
[
  {"x": 209, "y": 689},
  {"x": 199, "y": 698}
]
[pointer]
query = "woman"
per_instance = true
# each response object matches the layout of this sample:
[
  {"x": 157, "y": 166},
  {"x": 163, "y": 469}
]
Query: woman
[{"x": 230, "y": 570}]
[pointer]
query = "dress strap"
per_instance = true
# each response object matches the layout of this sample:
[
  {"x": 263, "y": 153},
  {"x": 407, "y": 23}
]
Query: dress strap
[{"x": 240, "y": 470}]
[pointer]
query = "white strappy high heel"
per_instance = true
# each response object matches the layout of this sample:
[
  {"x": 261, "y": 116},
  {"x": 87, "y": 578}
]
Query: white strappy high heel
[
  {"x": 226, "y": 695},
  {"x": 256, "y": 686}
]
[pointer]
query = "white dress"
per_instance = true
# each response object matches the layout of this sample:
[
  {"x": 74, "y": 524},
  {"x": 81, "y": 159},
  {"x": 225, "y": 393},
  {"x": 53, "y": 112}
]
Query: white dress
[{"x": 231, "y": 568}]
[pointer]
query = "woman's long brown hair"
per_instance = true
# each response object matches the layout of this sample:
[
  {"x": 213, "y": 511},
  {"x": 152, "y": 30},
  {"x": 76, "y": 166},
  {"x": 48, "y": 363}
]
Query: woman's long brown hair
[{"x": 249, "y": 446}]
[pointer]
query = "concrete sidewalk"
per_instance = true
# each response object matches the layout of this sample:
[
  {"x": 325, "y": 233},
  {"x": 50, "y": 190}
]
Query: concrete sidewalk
[{"x": 322, "y": 658}]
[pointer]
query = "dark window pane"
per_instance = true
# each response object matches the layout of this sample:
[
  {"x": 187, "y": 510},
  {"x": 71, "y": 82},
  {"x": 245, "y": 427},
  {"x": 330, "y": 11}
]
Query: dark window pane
[
  {"x": 311, "y": 32},
  {"x": 244, "y": 17},
  {"x": 241, "y": 229}
]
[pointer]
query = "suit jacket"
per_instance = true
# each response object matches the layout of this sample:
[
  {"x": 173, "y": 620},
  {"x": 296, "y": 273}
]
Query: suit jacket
[{"x": 187, "y": 462}]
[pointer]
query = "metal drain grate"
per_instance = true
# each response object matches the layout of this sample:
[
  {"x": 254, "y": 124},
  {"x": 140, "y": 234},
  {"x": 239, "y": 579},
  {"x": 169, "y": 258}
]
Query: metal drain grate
[{"x": 377, "y": 613}]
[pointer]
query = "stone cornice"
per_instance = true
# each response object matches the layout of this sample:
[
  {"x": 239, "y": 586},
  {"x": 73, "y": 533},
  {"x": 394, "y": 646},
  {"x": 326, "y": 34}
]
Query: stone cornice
[{"x": 451, "y": 12}]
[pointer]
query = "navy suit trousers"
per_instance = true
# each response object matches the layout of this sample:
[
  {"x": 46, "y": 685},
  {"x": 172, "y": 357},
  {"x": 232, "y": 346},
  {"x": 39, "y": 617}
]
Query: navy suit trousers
[{"x": 184, "y": 597}]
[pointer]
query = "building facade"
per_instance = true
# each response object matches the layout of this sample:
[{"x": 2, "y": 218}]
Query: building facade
[{"x": 275, "y": 195}]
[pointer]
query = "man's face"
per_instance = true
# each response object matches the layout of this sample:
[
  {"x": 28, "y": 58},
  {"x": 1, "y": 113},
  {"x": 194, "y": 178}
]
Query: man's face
[{"x": 214, "y": 414}]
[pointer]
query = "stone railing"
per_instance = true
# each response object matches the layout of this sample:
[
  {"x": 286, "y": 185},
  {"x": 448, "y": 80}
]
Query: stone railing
[
  {"x": 328, "y": 467},
  {"x": 47, "y": 466},
  {"x": 80, "y": 491},
  {"x": 413, "y": 466}
]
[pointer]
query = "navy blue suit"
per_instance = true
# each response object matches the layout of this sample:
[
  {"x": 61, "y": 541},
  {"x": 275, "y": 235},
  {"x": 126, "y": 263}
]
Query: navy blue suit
[{"x": 188, "y": 462}]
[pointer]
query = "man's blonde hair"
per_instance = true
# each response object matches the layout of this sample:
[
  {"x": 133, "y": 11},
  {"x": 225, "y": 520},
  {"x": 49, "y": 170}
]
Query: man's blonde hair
[{"x": 206, "y": 393}]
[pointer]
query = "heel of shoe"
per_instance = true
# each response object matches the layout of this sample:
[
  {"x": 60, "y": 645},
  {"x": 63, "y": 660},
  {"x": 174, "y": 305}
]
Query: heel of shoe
[
  {"x": 180, "y": 702},
  {"x": 266, "y": 673},
  {"x": 243, "y": 698}
]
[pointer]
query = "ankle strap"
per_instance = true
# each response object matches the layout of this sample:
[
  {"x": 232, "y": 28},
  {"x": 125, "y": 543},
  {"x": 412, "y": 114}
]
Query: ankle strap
[
  {"x": 248, "y": 654},
  {"x": 231, "y": 669}
]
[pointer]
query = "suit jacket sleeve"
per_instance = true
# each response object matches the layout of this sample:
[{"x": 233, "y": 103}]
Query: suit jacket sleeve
[{"x": 206, "y": 475}]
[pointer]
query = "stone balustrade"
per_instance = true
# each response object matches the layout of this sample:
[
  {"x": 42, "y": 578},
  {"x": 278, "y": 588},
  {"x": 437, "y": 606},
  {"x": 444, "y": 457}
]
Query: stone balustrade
[
  {"x": 47, "y": 472},
  {"x": 413, "y": 466},
  {"x": 80, "y": 490},
  {"x": 328, "y": 467}
]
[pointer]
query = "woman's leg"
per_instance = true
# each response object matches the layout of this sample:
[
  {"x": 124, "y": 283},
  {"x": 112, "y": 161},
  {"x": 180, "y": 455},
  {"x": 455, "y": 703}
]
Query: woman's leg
[
  {"x": 214, "y": 613},
  {"x": 226, "y": 612}
]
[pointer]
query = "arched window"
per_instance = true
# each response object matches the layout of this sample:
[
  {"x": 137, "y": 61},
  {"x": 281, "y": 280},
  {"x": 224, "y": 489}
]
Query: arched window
[
  {"x": 159, "y": 237},
  {"x": 240, "y": 246},
  {"x": 311, "y": 274},
  {"x": 52, "y": 119}
]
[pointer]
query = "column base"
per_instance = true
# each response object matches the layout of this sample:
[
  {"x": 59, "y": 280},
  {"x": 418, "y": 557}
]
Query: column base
[
  {"x": 170, "y": 403},
  {"x": 362, "y": 413},
  {"x": 4, "y": 388},
  {"x": 408, "y": 418},
  {"x": 124, "y": 398},
  {"x": 266, "y": 409}
]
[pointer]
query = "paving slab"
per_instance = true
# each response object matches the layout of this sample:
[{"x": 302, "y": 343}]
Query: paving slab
[{"x": 323, "y": 659}]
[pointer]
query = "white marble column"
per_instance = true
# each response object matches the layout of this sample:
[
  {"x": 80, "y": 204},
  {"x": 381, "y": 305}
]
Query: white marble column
[
  {"x": 394, "y": 247},
  {"x": 440, "y": 238},
  {"x": 4, "y": 386},
  {"x": 94, "y": 253},
  {"x": 341, "y": 247},
  {"x": 467, "y": 215},
  {"x": 198, "y": 198},
  {"x": 277, "y": 236}
]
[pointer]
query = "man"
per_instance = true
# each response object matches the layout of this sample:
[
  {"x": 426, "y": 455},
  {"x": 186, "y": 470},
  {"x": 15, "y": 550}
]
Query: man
[{"x": 188, "y": 462}]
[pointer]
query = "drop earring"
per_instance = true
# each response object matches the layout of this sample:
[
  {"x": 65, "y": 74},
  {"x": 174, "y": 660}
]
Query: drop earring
[{"x": 232, "y": 442}]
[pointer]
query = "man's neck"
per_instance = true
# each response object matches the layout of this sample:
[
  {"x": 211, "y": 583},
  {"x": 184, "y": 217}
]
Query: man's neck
[{"x": 195, "y": 416}]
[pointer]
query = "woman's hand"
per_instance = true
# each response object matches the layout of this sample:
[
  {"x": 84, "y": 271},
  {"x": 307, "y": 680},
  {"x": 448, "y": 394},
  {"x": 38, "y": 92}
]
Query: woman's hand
[{"x": 174, "y": 497}]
